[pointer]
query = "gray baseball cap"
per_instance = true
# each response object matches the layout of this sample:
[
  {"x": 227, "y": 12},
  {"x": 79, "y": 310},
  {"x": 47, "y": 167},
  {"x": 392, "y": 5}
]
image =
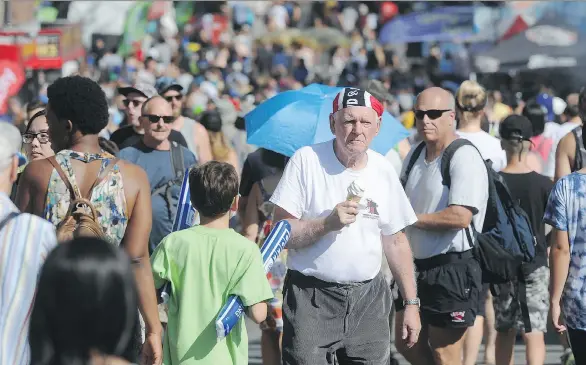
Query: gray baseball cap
[
  {"x": 145, "y": 89},
  {"x": 377, "y": 89}
]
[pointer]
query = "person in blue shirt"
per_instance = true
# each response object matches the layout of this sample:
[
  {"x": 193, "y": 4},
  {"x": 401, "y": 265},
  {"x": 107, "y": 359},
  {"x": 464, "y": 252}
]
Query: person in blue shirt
[
  {"x": 155, "y": 154},
  {"x": 565, "y": 213}
]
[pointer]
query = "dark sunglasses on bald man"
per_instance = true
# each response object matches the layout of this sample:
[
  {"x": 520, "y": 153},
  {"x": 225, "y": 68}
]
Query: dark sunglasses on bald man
[
  {"x": 153, "y": 118},
  {"x": 432, "y": 114}
]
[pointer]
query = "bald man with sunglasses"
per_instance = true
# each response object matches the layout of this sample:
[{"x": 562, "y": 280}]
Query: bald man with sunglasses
[
  {"x": 131, "y": 131},
  {"x": 162, "y": 160},
  {"x": 449, "y": 277}
]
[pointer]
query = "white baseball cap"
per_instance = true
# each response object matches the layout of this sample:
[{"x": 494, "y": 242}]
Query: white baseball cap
[{"x": 10, "y": 145}]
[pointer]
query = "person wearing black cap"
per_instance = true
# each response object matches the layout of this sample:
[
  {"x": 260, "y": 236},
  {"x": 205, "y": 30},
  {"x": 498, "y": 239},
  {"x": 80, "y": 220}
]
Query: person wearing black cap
[
  {"x": 221, "y": 149},
  {"x": 131, "y": 134},
  {"x": 531, "y": 190},
  {"x": 198, "y": 140}
]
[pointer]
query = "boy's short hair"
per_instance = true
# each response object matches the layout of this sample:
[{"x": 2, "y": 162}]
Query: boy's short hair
[{"x": 213, "y": 187}]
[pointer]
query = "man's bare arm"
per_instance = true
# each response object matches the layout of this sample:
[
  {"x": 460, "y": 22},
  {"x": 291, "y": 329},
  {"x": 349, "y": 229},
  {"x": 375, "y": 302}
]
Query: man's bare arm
[
  {"x": 400, "y": 258},
  {"x": 564, "y": 156},
  {"x": 453, "y": 217},
  {"x": 303, "y": 232},
  {"x": 135, "y": 243}
]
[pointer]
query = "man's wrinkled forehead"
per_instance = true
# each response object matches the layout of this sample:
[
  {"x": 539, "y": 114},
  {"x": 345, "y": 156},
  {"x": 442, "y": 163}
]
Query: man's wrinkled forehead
[{"x": 357, "y": 113}]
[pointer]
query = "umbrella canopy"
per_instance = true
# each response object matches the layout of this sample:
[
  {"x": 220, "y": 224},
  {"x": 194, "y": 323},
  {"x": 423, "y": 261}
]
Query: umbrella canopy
[
  {"x": 297, "y": 118},
  {"x": 549, "y": 44}
]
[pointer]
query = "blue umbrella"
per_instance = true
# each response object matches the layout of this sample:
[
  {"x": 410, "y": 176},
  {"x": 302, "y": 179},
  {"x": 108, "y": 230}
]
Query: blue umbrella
[{"x": 297, "y": 118}]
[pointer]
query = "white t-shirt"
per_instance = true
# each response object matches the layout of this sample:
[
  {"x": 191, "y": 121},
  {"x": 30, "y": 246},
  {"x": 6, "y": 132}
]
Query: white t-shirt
[
  {"x": 469, "y": 187},
  {"x": 489, "y": 147},
  {"x": 313, "y": 183},
  {"x": 395, "y": 159},
  {"x": 560, "y": 133}
]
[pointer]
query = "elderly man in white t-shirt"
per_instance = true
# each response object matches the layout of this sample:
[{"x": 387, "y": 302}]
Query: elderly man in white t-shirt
[
  {"x": 336, "y": 302},
  {"x": 449, "y": 276}
]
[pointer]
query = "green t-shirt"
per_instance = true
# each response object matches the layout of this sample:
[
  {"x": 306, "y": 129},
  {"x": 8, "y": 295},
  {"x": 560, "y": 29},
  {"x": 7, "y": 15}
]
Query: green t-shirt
[{"x": 205, "y": 266}]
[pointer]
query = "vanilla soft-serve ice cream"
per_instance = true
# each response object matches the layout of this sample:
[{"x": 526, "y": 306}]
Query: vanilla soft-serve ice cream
[{"x": 356, "y": 191}]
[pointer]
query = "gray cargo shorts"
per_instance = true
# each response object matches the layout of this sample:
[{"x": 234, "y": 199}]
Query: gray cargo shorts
[{"x": 330, "y": 323}]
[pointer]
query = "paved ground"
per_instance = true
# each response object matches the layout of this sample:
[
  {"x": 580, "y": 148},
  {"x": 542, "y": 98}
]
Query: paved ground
[{"x": 553, "y": 351}]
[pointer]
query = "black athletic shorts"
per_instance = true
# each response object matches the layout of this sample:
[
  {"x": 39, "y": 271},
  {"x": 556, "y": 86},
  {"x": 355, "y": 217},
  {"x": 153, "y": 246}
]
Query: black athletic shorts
[{"x": 450, "y": 289}]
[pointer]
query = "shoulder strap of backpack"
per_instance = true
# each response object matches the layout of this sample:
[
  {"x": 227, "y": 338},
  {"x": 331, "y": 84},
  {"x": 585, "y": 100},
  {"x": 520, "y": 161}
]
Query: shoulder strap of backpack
[
  {"x": 102, "y": 176},
  {"x": 63, "y": 177},
  {"x": 177, "y": 160},
  {"x": 447, "y": 158},
  {"x": 6, "y": 219},
  {"x": 578, "y": 153},
  {"x": 411, "y": 163}
]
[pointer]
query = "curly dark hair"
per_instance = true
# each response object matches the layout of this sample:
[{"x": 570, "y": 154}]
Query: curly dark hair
[{"x": 80, "y": 100}]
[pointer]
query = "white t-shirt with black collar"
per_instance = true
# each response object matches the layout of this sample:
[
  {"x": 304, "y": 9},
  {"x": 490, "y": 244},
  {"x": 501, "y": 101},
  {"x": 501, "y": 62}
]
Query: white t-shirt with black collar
[{"x": 313, "y": 183}]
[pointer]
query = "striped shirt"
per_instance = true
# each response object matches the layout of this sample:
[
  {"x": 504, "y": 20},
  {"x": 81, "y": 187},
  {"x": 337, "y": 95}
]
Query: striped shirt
[{"x": 25, "y": 242}]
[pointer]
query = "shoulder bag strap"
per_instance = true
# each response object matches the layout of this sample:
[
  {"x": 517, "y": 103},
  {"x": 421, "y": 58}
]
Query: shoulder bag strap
[
  {"x": 411, "y": 163},
  {"x": 102, "y": 176},
  {"x": 578, "y": 153},
  {"x": 6, "y": 219},
  {"x": 63, "y": 177}
]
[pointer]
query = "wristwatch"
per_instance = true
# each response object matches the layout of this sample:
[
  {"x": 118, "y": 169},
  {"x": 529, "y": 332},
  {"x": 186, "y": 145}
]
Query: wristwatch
[{"x": 412, "y": 302}]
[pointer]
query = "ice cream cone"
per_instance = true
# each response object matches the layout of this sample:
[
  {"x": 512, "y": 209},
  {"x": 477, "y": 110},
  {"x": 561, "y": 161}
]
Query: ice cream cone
[{"x": 354, "y": 198}]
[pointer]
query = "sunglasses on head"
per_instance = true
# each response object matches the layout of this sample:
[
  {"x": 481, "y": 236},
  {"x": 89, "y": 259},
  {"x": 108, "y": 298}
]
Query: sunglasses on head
[
  {"x": 135, "y": 103},
  {"x": 153, "y": 118},
  {"x": 176, "y": 97},
  {"x": 431, "y": 113}
]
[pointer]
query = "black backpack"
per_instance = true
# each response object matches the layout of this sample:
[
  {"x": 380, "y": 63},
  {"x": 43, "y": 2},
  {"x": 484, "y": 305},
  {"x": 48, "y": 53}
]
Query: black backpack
[
  {"x": 506, "y": 240},
  {"x": 179, "y": 169}
]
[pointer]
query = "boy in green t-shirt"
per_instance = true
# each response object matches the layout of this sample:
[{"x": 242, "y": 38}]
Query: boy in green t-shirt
[{"x": 206, "y": 264}]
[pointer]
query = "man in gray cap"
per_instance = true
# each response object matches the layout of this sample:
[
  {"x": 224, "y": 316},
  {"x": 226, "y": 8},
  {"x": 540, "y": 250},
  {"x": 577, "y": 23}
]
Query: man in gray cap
[
  {"x": 198, "y": 140},
  {"x": 28, "y": 239},
  {"x": 129, "y": 135}
]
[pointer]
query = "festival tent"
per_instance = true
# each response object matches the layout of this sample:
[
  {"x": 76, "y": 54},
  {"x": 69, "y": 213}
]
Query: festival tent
[{"x": 549, "y": 44}]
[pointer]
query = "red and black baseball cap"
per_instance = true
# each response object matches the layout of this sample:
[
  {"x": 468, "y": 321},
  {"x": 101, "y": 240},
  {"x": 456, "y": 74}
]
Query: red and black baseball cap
[{"x": 356, "y": 97}]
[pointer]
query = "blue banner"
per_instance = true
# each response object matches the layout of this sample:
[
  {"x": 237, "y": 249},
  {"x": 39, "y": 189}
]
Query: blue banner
[{"x": 443, "y": 24}]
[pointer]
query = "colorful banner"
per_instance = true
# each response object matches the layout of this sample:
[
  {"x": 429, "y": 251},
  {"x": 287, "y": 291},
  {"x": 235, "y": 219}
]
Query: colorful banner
[{"x": 271, "y": 249}]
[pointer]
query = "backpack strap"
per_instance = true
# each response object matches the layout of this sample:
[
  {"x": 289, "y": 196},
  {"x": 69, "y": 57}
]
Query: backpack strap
[
  {"x": 102, "y": 176},
  {"x": 411, "y": 163},
  {"x": 578, "y": 162},
  {"x": 9, "y": 217},
  {"x": 447, "y": 158},
  {"x": 63, "y": 177},
  {"x": 447, "y": 180},
  {"x": 177, "y": 160}
]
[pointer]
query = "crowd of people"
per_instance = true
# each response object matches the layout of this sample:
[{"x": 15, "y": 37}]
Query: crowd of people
[{"x": 91, "y": 174}]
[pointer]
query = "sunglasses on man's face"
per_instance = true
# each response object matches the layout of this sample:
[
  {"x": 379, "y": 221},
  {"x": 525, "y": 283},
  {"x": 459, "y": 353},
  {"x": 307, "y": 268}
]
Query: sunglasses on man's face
[
  {"x": 135, "y": 103},
  {"x": 176, "y": 97},
  {"x": 153, "y": 118},
  {"x": 432, "y": 114}
]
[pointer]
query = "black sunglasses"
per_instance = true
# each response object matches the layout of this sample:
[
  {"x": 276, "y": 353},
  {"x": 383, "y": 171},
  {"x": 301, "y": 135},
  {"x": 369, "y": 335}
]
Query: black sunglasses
[
  {"x": 153, "y": 118},
  {"x": 433, "y": 114},
  {"x": 134, "y": 102},
  {"x": 176, "y": 97}
]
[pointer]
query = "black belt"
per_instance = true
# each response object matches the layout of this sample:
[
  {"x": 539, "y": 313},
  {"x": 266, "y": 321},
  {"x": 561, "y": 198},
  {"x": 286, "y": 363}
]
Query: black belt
[
  {"x": 441, "y": 260},
  {"x": 302, "y": 280}
]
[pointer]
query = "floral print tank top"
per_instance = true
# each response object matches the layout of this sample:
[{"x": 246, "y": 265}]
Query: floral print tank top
[{"x": 107, "y": 197}]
